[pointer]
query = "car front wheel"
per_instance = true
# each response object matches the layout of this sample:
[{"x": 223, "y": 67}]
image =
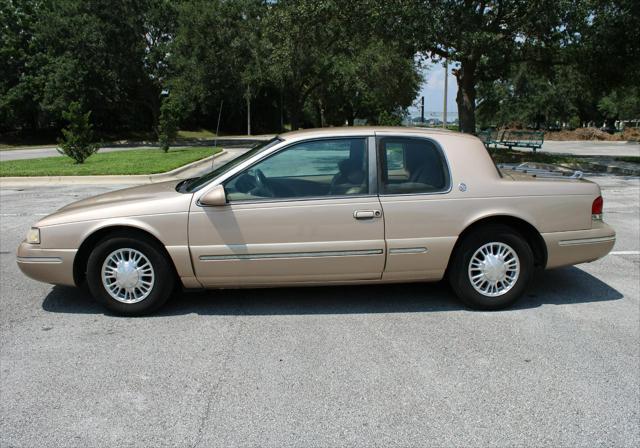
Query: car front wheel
[
  {"x": 130, "y": 276},
  {"x": 491, "y": 268}
]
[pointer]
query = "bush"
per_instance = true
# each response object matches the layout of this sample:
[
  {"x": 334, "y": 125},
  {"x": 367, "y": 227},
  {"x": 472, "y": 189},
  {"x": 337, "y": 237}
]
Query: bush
[
  {"x": 168, "y": 124},
  {"x": 574, "y": 122},
  {"x": 77, "y": 137},
  {"x": 390, "y": 118}
]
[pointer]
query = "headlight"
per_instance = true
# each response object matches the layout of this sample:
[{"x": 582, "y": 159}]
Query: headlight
[{"x": 33, "y": 236}]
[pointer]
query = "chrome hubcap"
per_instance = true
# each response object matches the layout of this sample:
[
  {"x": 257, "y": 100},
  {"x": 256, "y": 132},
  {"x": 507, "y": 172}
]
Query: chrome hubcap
[
  {"x": 494, "y": 269},
  {"x": 127, "y": 275}
]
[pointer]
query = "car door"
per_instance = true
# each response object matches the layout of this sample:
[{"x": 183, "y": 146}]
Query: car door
[
  {"x": 305, "y": 213},
  {"x": 414, "y": 187}
]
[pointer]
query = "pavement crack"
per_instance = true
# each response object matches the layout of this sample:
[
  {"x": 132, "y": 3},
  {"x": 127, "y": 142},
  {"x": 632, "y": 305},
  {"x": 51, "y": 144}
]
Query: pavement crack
[{"x": 236, "y": 329}]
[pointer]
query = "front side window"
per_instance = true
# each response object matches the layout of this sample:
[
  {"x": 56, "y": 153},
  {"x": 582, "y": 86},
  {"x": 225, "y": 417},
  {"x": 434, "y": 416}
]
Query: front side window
[
  {"x": 332, "y": 167},
  {"x": 195, "y": 184},
  {"x": 412, "y": 165}
]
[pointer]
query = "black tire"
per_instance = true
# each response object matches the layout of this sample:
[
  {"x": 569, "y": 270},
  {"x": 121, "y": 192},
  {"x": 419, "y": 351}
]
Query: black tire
[
  {"x": 164, "y": 276},
  {"x": 459, "y": 268}
]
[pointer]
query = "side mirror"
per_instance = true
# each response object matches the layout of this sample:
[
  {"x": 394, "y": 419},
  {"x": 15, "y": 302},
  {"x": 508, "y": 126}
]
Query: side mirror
[{"x": 214, "y": 197}]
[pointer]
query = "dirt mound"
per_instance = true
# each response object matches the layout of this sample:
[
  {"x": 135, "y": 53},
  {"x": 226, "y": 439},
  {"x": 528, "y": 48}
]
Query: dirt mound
[
  {"x": 582, "y": 134},
  {"x": 631, "y": 134}
]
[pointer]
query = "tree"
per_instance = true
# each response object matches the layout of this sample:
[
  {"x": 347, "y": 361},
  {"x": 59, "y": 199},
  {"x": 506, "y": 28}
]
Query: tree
[
  {"x": 331, "y": 63},
  {"x": 302, "y": 38},
  {"x": 93, "y": 52},
  {"x": 609, "y": 52},
  {"x": 168, "y": 123},
  {"x": 373, "y": 80},
  {"x": 593, "y": 76},
  {"x": 77, "y": 137},
  {"x": 609, "y": 42},
  {"x": 213, "y": 57},
  {"x": 483, "y": 38},
  {"x": 159, "y": 17},
  {"x": 622, "y": 103},
  {"x": 532, "y": 97},
  {"x": 18, "y": 107}
]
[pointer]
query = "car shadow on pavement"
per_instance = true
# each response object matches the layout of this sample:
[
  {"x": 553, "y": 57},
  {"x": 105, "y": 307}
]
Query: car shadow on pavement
[{"x": 556, "y": 287}]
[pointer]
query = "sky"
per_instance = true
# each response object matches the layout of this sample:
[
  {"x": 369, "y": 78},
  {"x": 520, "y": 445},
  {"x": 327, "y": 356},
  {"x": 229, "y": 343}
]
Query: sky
[{"x": 433, "y": 91}]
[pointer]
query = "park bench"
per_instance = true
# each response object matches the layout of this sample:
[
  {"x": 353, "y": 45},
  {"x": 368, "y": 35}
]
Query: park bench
[{"x": 512, "y": 139}]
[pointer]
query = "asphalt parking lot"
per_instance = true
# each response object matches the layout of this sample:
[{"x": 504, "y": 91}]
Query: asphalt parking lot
[{"x": 399, "y": 365}]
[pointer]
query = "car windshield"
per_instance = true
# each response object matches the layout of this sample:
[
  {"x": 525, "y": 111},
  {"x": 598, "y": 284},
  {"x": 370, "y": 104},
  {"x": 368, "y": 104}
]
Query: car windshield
[{"x": 195, "y": 184}]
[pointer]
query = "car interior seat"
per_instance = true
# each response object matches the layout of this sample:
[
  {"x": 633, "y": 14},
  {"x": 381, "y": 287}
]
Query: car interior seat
[
  {"x": 423, "y": 164},
  {"x": 351, "y": 175}
]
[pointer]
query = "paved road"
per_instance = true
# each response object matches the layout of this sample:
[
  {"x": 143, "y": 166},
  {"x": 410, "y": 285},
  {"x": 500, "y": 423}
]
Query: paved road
[
  {"x": 400, "y": 365},
  {"x": 610, "y": 149},
  {"x": 576, "y": 148},
  {"x": 228, "y": 155},
  {"x": 51, "y": 151}
]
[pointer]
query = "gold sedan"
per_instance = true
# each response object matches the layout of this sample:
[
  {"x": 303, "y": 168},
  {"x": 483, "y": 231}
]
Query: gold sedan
[{"x": 326, "y": 207}]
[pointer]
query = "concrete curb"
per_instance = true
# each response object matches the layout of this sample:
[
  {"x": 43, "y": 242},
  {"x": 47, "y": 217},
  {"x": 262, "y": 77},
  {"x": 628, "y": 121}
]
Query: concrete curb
[
  {"x": 28, "y": 181},
  {"x": 619, "y": 169},
  {"x": 605, "y": 142}
]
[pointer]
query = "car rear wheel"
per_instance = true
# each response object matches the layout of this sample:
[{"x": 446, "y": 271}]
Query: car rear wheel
[
  {"x": 131, "y": 277},
  {"x": 491, "y": 268}
]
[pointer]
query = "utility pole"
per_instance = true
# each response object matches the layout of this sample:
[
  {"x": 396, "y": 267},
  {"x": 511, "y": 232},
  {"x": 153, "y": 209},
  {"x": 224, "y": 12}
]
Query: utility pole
[
  {"x": 446, "y": 84},
  {"x": 422, "y": 110},
  {"x": 215, "y": 144}
]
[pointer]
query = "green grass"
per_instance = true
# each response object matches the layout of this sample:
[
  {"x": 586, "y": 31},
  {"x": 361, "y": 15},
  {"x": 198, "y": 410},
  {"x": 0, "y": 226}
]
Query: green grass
[{"x": 137, "y": 161}]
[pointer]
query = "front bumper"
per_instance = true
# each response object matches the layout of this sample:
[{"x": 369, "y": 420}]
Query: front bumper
[
  {"x": 580, "y": 246},
  {"x": 46, "y": 265}
]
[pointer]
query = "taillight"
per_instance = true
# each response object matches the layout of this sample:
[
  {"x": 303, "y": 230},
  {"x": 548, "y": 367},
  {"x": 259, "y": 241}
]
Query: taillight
[{"x": 596, "y": 208}]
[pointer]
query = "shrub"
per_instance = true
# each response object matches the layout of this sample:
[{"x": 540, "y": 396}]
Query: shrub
[
  {"x": 390, "y": 118},
  {"x": 77, "y": 137},
  {"x": 168, "y": 124},
  {"x": 574, "y": 122}
]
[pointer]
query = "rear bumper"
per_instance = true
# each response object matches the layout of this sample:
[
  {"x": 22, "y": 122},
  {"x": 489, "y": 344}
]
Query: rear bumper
[
  {"x": 580, "y": 246},
  {"x": 46, "y": 265}
]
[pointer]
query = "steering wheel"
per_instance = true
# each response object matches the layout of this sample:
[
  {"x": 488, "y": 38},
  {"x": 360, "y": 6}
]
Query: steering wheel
[
  {"x": 262, "y": 187},
  {"x": 335, "y": 183}
]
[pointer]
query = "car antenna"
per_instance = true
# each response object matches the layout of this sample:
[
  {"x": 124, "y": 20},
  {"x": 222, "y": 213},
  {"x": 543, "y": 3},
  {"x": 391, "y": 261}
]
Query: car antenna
[{"x": 215, "y": 142}]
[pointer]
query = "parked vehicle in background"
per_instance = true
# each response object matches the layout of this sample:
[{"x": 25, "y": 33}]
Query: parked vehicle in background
[{"x": 320, "y": 207}]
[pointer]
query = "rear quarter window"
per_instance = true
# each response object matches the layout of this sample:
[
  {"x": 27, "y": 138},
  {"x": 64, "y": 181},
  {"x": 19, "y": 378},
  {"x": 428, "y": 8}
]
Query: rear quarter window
[{"x": 412, "y": 166}]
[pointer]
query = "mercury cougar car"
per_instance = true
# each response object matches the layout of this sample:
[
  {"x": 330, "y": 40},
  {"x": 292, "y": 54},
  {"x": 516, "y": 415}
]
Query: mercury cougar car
[{"x": 358, "y": 205}]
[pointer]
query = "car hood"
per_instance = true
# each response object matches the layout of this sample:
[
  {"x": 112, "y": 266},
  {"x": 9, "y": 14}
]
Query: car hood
[{"x": 135, "y": 201}]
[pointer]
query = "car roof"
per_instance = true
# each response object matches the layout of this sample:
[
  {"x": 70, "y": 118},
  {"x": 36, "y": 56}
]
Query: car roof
[{"x": 364, "y": 130}]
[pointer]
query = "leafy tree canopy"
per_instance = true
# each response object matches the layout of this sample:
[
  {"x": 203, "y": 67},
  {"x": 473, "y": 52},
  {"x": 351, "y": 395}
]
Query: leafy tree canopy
[{"x": 154, "y": 65}]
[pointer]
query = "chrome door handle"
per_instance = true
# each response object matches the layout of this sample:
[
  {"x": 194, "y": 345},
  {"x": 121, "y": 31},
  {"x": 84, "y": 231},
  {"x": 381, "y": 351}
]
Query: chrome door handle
[{"x": 367, "y": 214}]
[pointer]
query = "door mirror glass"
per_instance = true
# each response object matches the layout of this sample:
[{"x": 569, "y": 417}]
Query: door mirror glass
[{"x": 214, "y": 197}]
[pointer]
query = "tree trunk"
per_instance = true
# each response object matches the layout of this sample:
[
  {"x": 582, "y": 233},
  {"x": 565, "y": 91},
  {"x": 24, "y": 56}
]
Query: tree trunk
[
  {"x": 321, "y": 112},
  {"x": 295, "y": 114},
  {"x": 466, "y": 96}
]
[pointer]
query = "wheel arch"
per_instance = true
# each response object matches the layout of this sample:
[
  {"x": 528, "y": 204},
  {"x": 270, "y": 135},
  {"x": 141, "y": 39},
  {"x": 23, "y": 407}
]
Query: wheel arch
[
  {"x": 98, "y": 235},
  {"x": 527, "y": 230}
]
